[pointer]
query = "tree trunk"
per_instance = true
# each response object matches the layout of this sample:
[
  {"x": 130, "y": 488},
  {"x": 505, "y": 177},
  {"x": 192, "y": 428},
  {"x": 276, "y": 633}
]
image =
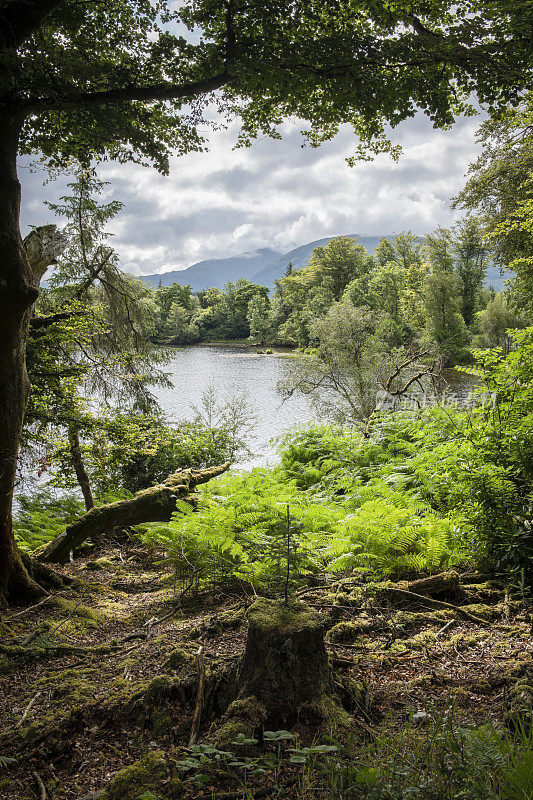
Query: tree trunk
[
  {"x": 156, "y": 504},
  {"x": 79, "y": 466},
  {"x": 18, "y": 293},
  {"x": 284, "y": 677}
]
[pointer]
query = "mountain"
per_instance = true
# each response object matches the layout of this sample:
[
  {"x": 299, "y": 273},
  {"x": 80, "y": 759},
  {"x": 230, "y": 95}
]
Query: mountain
[
  {"x": 217, "y": 271},
  {"x": 266, "y": 265},
  {"x": 262, "y": 266},
  {"x": 300, "y": 257}
]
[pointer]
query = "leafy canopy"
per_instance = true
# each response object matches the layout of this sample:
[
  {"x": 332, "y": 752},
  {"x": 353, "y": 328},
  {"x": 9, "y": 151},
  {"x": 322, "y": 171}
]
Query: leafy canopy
[{"x": 131, "y": 78}]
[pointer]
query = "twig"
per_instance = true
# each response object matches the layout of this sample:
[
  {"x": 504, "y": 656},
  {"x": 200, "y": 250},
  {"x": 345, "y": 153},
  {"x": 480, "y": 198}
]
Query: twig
[
  {"x": 31, "y": 608},
  {"x": 27, "y": 710},
  {"x": 342, "y": 582},
  {"x": 197, "y": 718},
  {"x": 40, "y": 784},
  {"x": 72, "y": 610},
  {"x": 445, "y": 627},
  {"x": 30, "y": 637}
]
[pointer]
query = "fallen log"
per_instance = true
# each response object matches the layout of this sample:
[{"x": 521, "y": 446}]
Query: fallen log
[
  {"x": 445, "y": 583},
  {"x": 156, "y": 504}
]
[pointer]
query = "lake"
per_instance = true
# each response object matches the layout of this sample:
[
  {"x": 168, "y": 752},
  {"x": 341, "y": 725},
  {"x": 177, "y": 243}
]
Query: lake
[
  {"x": 227, "y": 369},
  {"x": 194, "y": 369}
]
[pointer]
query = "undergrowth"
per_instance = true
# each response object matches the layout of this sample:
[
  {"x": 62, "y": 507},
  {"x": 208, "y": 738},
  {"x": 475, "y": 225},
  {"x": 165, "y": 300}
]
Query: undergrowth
[{"x": 445, "y": 761}]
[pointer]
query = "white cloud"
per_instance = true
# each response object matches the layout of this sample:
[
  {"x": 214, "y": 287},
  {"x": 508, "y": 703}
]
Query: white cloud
[{"x": 276, "y": 194}]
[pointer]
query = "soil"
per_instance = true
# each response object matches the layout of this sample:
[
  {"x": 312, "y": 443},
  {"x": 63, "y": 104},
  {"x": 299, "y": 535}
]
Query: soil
[{"x": 72, "y": 720}]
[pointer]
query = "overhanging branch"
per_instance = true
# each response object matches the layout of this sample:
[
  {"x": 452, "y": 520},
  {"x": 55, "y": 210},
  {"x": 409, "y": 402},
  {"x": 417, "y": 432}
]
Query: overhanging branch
[{"x": 128, "y": 94}]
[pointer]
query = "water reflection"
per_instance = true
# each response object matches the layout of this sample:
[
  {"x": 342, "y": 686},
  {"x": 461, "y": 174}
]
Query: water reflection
[{"x": 192, "y": 370}]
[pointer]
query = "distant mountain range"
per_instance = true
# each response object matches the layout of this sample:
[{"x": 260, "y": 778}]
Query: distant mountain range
[{"x": 263, "y": 267}]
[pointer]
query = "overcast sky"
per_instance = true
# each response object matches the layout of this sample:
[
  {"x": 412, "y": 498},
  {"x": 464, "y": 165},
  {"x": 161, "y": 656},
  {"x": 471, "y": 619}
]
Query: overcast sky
[{"x": 276, "y": 194}]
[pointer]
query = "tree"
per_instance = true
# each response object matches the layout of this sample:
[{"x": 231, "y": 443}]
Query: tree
[
  {"x": 87, "y": 80},
  {"x": 500, "y": 191},
  {"x": 341, "y": 377},
  {"x": 258, "y": 318},
  {"x": 339, "y": 262},
  {"x": 495, "y": 187},
  {"x": 471, "y": 256},
  {"x": 90, "y": 336},
  {"x": 496, "y": 320},
  {"x": 358, "y": 370},
  {"x": 445, "y": 324}
]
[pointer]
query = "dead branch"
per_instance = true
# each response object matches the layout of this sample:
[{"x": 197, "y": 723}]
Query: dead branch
[
  {"x": 200, "y": 699},
  {"x": 438, "y": 603},
  {"x": 156, "y": 504},
  {"x": 27, "y": 710},
  {"x": 40, "y": 785}
]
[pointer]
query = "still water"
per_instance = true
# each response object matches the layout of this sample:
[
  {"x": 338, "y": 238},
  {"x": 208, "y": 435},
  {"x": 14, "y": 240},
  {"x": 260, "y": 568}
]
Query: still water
[
  {"x": 193, "y": 370},
  {"x": 226, "y": 369}
]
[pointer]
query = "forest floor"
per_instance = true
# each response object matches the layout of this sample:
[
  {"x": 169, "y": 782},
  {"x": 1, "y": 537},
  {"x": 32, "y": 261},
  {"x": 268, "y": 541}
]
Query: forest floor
[{"x": 104, "y": 672}]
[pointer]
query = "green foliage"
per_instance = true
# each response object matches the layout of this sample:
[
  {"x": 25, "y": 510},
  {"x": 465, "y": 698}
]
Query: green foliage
[
  {"x": 42, "y": 517},
  {"x": 499, "y": 190},
  {"x": 427, "y": 491},
  {"x": 122, "y": 79},
  {"x": 444, "y": 762}
]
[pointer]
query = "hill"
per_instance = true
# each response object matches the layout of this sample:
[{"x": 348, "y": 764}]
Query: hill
[
  {"x": 266, "y": 265},
  {"x": 217, "y": 271}
]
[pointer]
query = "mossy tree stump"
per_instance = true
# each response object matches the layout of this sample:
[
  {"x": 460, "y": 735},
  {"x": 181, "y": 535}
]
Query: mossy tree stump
[{"x": 284, "y": 677}]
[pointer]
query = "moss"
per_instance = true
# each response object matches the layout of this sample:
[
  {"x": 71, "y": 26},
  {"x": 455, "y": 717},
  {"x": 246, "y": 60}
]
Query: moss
[
  {"x": 70, "y": 687},
  {"x": 462, "y": 641},
  {"x": 421, "y": 640},
  {"x": 399, "y": 647},
  {"x": 483, "y": 610},
  {"x": 244, "y": 715},
  {"x": 283, "y": 618},
  {"x": 350, "y": 631},
  {"x": 216, "y": 624},
  {"x": 161, "y": 722},
  {"x": 77, "y": 610},
  {"x": 352, "y": 693},
  {"x": 148, "y": 774},
  {"x": 412, "y": 619},
  {"x": 334, "y": 719},
  {"x": 343, "y": 598},
  {"x": 178, "y": 659},
  {"x": 8, "y": 665},
  {"x": 490, "y": 591},
  {"x": 159, "y": 687}
]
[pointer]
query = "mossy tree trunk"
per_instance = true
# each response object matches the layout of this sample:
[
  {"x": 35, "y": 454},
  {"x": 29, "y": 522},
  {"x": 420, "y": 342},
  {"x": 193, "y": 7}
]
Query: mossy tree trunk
[
  {"x": 156, "y": 504},
  {"x": 284, "y": 677},
  {"x": 21, "y": 269}
]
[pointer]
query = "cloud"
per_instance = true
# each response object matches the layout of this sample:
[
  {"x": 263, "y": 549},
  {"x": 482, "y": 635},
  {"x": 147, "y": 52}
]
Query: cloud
[{"x": 276, "y": 194}]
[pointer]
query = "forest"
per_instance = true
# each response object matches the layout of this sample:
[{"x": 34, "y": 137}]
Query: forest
[{"x": 354, "y": 620}]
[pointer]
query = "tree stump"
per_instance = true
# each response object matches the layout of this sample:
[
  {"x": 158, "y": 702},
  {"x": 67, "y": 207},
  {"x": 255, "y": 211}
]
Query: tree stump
[{"x": 284, "y": 677}]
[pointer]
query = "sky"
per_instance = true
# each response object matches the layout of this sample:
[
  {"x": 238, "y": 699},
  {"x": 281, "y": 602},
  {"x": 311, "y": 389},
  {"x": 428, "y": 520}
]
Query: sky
[{"x": 276, "y": 194}]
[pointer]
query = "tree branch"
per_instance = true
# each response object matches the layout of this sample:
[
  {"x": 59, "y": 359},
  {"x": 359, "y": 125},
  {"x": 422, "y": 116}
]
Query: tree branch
[
  {"x": 20, "y": 18},
  {"x": 156, "y": 504},
  {"x": 127, "y": 94}
]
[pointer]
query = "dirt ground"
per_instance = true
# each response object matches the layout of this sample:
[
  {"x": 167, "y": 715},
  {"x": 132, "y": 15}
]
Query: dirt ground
[{"x": 105, "y": 671}]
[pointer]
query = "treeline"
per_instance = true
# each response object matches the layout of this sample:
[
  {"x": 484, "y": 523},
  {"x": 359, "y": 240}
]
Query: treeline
[{"x": 430, "y": 291}]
